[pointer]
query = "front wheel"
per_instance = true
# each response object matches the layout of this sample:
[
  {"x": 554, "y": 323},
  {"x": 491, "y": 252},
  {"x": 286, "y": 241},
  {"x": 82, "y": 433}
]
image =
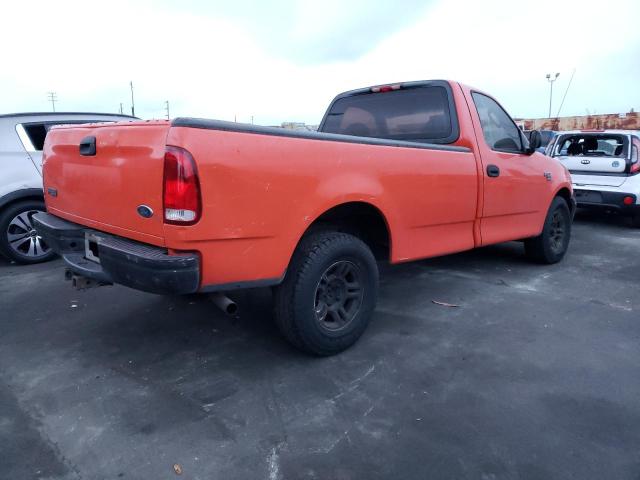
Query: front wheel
[
  {"x": 552, "y": 244},
  {"x": 19, "y": 240},
  {"x": 329, "y": 293}
]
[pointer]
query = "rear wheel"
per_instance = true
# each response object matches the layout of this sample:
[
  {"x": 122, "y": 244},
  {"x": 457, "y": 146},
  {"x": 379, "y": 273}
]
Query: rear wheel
[
  {"x": 329, "y": 293},
  {"x": 552, "y": 244},
  {"x": 635, "y": 220},
  {"x": 19, "y": 241}
]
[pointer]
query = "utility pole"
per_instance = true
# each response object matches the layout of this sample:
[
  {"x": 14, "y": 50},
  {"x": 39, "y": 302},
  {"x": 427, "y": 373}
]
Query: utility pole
[
  {"x": 121, "y": 110},
  {"x": 53, "y": 97},
  {"x": 551, "y": 79},
  {"x": 133, "y": 108},
  {"x": 166, "y": 107},
  {"x": 251, "y": 119}
]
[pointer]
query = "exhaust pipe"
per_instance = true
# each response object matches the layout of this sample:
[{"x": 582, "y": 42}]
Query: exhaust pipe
[{"x": 224, "y": 303}]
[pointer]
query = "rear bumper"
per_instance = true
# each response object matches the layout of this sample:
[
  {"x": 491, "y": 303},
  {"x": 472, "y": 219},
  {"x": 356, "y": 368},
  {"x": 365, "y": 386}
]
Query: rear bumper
[
  {"x": 123, "y": 261},
  {"x": 599, "y": 199}
]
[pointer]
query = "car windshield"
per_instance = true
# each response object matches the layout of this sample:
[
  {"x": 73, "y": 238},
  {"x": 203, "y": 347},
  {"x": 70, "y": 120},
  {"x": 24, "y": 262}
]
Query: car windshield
[{"x": 592, "y": 145}]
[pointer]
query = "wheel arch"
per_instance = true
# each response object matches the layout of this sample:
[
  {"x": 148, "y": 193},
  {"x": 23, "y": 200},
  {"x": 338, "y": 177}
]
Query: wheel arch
[
  {"x": 20, "y": 195},
  {"x": 565, "y": 193},
  {"x": 360, "y": 218}
]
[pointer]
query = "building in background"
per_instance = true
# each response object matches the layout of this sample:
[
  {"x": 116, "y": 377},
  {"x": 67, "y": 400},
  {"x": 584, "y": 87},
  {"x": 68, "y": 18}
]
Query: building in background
[
  {"x": 298, "y": 126},
  {"x": 619, "y": 121}
]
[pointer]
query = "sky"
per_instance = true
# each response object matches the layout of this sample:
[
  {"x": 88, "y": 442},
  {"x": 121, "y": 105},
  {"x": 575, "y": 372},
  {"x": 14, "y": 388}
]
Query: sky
[{"x": 284, "y": 60}]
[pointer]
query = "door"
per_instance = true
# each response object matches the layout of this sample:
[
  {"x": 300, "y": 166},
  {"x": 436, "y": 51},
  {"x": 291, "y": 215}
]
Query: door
[{"x": 514, "y": 183}]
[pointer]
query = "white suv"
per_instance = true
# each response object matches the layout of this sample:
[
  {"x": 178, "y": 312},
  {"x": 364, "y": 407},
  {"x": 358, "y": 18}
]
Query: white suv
[
  {"x": 21, "y": 139},
  {"x": 604, "y": 166}
]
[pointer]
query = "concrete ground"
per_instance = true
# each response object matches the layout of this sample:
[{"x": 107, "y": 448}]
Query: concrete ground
[{"x": 536, "y": 375}]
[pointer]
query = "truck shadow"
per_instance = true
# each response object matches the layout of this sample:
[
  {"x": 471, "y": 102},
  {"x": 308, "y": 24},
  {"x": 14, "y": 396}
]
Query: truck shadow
[{"x": 190, "y": 332}]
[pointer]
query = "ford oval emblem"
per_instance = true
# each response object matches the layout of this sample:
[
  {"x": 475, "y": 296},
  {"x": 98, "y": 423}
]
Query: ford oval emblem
[
  {"x": 585, "y": 162},
  {"x": 145, "y": 211}
]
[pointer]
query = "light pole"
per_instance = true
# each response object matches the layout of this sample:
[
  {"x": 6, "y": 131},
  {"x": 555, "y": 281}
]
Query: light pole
[{"x": 551, "y": 79}]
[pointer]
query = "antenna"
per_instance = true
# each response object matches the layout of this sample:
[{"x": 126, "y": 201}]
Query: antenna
[
  {"x": 53, "y": 97},
  {"x": 565, "y": 92}
]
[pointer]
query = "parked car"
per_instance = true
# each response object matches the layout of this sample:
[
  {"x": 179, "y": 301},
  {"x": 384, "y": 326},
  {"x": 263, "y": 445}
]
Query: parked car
[
  {"x": 396, "y": 173},
  {"x": 22, "y": 137},
  {"x": 546, "y": 136},
  {"x": 604, "y": 168}
]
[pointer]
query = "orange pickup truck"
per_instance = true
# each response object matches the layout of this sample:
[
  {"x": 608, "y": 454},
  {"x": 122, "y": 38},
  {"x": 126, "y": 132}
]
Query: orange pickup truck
[{"x": 396, "y": 173}]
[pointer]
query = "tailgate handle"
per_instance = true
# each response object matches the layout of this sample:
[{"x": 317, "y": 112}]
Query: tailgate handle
[{"x": 88, "y": 146}]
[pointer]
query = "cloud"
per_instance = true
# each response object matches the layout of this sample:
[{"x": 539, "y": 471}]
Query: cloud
[
  {"x": 311, "y": 32},
  {"x": 284, "y": 60}
]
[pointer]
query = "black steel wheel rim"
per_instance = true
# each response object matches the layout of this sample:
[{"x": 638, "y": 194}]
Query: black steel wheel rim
[
  {"x": 557, "y": 232},
  {"x": 339, "y": 295},
  {"x": 23, "y": 238}
]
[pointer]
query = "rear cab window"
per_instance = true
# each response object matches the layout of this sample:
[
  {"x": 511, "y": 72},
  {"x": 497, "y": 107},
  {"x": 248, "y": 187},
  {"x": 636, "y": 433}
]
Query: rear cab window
[
  {"x": 592, "y": 145},
  {"x": 415, "y": 113}
]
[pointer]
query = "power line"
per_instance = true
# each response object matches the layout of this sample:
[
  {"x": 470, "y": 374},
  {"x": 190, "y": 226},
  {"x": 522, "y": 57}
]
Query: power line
[{"x": 53, "y": 97}]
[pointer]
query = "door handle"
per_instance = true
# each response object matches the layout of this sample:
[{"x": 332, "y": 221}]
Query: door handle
[
  {"x": 493, "y": 171},
  {"x": 88, "y": 146}
]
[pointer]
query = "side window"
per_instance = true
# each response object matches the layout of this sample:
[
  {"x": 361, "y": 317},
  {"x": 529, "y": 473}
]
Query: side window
[
  {"x": 32, "y": 136},
  {"x": 500, "y": 132}
]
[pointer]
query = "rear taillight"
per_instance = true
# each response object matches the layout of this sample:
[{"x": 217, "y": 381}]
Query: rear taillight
[
  {"x": 181, "y": 196},
  {"x": 635, "y": 161}
]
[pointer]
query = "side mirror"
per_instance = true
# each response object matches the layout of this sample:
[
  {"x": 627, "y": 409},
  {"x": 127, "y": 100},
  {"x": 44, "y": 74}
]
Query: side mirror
[{"x": 535, "y": 140}]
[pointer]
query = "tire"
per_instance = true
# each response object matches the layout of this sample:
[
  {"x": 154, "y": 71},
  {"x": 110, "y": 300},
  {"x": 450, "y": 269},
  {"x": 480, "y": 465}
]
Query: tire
[
  {"x": 552, "y": 244},
  {"x": 18, "y": 240},
  {"x": 635, "y": 221},
  {"x": 329, "y": 293}
]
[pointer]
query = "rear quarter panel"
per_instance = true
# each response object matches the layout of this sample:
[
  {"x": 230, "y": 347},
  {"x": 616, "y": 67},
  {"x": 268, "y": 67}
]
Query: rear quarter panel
[{"x": 261, "y": 192}]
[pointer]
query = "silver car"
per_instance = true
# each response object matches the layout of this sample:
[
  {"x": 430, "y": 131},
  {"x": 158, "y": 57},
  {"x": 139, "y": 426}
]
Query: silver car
[
  {"x": 21, "y": 140},
  {"x": 604, "y": 166}
]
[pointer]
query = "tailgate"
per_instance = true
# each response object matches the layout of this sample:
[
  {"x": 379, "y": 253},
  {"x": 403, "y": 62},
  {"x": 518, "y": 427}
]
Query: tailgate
[{"x": 104, "y": 190}]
